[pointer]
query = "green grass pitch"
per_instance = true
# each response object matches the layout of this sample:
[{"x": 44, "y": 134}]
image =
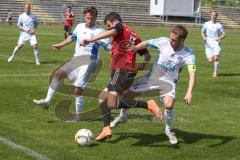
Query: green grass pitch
[{"x": 207, "y": 129}]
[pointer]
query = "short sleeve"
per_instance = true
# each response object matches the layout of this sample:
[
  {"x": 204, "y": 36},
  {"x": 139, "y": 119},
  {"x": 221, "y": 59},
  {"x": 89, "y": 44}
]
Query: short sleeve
[
  {"x": 204, "y": 28},
  {"x": 157, "y": 43},
  {"x": 19, "y": 23},
  {"x": 221, "y": 30},
  {"x": 74, "y": 34},
  {"x": 119, "y": 28}
]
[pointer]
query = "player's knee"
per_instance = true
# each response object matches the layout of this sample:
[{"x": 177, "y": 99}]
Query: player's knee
[
  {"x": 19, "y": 46},
  {"x": 216, "y": 58},
  {"x": 210, "y": 60},
  {"x": 78, "y": 91},
  {"x": 111, "y": 104},
  {"x": 168, "y": 102},
  {"x": 34, "y": 46},
  {"x": 59, "y": 74},
  {"x": 103, "y": 95}
]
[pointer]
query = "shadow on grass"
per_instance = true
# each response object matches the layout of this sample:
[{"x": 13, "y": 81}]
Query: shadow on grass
[
  {"x": 183, "y": 138},
  {"x": 228, "y": 74}
]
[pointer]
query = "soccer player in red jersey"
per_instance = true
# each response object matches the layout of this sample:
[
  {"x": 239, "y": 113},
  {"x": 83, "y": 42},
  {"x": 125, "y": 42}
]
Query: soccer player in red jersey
[
  {"x": 123, "y": 71},
  {"x": 68, "y": 22}
]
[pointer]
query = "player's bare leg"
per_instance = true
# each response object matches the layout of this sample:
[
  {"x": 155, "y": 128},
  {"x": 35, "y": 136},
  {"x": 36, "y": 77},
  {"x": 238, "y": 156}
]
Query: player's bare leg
[
  {"x": 58, "y": 76},
  {"x": 216, "y": 63},
  {"x": 15, "y": 51}
]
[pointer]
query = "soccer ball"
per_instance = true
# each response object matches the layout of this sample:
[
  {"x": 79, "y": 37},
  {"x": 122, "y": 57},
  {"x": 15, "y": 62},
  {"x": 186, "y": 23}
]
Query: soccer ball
[{"x": 84, "y": 137}]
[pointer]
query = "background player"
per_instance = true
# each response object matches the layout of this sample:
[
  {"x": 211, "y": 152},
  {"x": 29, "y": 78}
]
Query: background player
[
  {"x": 68, "y": 22},
  {"x": 173, "y": 56},
  {"x": 27, "y": 23},
  {"x": 212, "y": 33},
  {"x": 9, "y": 17},
  {"x": 81, "y": 74}
]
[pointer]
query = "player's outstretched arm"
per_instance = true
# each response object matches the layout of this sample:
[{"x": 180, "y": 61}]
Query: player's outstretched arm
[
  {"x": 102, "y": 35},
  {"x": 192, "y": 79},
  {"x": 140, "y": 46},
  {"x": 62, "y": 44}
]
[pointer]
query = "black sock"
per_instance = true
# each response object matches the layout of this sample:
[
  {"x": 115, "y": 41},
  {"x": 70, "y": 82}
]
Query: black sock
[
  {"x": 127, "y": 103},
  {"x": 65, "y": 35},
  {"x": 106, "y": 112}
]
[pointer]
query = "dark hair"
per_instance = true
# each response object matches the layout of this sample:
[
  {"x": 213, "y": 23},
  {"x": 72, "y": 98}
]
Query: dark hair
[
  {"x": 214, "y": 11},
  {"x": 91, "y": 10},
  {"x": 180, "y": 31},
  {"x": 112, "y": 16},
  {"x": 70, "y": 7}
]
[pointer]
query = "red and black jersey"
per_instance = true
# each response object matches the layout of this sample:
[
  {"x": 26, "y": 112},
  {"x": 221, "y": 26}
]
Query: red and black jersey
[
  {"x": 69, "y": 22},
  {"x": 121, "y": 55}
]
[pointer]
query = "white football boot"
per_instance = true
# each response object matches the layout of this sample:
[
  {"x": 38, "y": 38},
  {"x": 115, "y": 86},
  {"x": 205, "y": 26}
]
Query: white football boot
[{"x": 42, "y": 103}]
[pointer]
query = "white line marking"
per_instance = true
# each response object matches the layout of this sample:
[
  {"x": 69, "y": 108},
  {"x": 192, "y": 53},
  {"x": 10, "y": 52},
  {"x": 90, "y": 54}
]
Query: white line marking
[
  {"x": 26, "y": 60},
  {"x": 23, "y": 75},
  {"x": 26, "y": 150}
]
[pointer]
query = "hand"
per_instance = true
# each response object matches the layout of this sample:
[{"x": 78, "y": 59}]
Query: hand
[
  {"x": 133, "y": 49},
  {"x": 85, "y": 42},
  {"x": 217, "y": 39},
  {"x": 188, "y": 98},
  {"x": 26, "y": 29},
  {"x": 57, "y": 47},
  {"x": 32, "y": 31}
]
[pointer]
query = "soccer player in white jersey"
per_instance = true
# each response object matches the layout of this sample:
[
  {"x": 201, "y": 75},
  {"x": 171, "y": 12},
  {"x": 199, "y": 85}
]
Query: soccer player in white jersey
[
  {"x": 212, "y": 33},
  {"x": 173, "y": 56},
  {"x": 27, "y": 23},
  {"x": 80, "y": 74}
]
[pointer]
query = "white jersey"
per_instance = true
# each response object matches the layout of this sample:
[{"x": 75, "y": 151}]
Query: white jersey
[
  {"x": 81, "y": 32},
  {"x": 27, "y": 20},
  {"x": 212, "y": 31},
  {"x": 172, "y": 62}
]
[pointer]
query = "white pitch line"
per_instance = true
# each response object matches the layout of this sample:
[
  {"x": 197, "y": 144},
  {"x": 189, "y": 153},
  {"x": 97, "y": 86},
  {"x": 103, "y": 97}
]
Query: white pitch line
[
  {"x": 26, "y": 60},
  {"x": 23, "y": 75},
  {"x": 26, "y": 150}
]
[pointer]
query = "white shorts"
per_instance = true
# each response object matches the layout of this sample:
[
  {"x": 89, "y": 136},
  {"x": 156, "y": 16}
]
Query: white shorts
[
  {"x": 24, "y": 38},
  {"x": 146, "y": 86},
  {"x": 80, "y": 73},
  {"x": 212, "y": 48}
]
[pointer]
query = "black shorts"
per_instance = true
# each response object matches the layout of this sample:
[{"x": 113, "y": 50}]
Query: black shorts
[
  {"x": 121, "y": 80},
  {"x": 67, "y": 28}
]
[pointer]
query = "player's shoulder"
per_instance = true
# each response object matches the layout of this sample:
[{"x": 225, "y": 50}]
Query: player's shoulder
[
  {"x": 98, "y": 28},
  {"x": 22, "y": 15},
  {"x": 207, "y": 23},
  {"x": 219, "y": 24},
  {"x": 160, "y": 40},
  {"x": 80, "y": 25},
  {"x": 32, "y": 15},
  {"x": 188, "y": 51}
]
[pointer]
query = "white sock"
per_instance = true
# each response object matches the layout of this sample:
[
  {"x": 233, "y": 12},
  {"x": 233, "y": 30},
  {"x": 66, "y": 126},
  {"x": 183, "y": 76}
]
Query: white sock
[
  {"x": 169, "y": 116},
  {"x": 216, "y": 67},
  {"x": 36, "y": 52},
  {"x": 16, "y": 49},
  {"x": 79, "y": 104},
  {"x": 123, "y": 113},
  {"x": 52, "y": 89}
]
